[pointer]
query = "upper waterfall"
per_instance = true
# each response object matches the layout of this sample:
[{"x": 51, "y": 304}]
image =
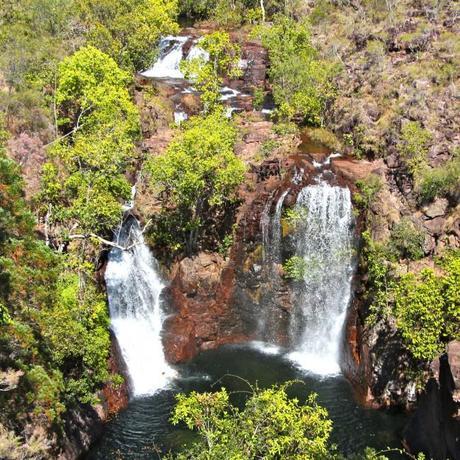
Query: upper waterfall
[
  {"x": 324, "y": 239},
  {"x": 134, "y": 288},
  {"x": 168, "y": 62}
]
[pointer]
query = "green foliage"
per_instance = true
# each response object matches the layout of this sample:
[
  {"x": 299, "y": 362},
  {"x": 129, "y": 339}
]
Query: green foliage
[
  {"x": 426, "y": 305},
  {"x": 270, "y": 426},
  {"x": 295, "y": 268},
  {"x": 198, "y": 174},
  {"x": 268, "y": 147},
  {"x": 75, "y": 328},
  {"x": 259, "y": 97},
  {"x": 34, "y": 36},
  {"x": 325, "y": 137},
  {"x": 419, "y": 312},
  {"x": 46, "y": 392},
  {"x": 85, "y": 182},
  {"x": 292, "y": 218},
  {"x": 301, "y": 81},
  {"x": 208, "y": 75},
  {"x": 368, "y": 188},
  {"x": 127, "y": 30},
  {"x": 414, "y": 144},
  {"x": 380, "y": 282},
  {"x": 406, "y": 241},
  {"x": 13, "y": 448},
  {"x": 441, "y": 181}
]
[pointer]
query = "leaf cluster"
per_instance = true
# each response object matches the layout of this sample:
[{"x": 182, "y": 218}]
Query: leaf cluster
[
  {"x": 198, "y": 174},
  {"x": 301, "y": 80},
  {"x": 271, "y": 426}
]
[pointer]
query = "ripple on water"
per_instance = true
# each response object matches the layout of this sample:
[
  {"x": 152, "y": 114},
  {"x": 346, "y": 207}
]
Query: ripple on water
[{"x": 135, "y": 432}]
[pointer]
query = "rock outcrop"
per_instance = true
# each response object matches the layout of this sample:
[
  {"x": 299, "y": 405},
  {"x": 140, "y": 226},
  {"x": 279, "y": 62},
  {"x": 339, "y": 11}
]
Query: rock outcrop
[
  {"x": 434, "y": 427},
  {"x": 201, "y": 294}
]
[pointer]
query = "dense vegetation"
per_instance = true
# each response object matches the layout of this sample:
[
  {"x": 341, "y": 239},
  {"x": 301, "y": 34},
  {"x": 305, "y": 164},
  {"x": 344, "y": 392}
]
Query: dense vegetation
[{"x": 380, "y": 76}]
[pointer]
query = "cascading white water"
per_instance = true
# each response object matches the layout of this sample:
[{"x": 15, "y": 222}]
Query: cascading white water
[
  {"x": 325, "y": 242},
  {"x": 276, "y": 229},
  {"x": 168, "y": 62},
  {"x": 134, "y": 288}
]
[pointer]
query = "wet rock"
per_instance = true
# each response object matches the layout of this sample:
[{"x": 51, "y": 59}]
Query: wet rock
[
  {"x": 116, "y": 396},
  {"x": 437, "y": 208},
  {"x": 83, "y": 426},
  {"x": 434, "y": 428},
  {"x": 201, "y": 294}
]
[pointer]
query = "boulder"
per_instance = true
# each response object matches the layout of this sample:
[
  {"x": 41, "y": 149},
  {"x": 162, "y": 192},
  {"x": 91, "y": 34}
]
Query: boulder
[
  {"x": 436, "y": 209},
  {"x": 435, "y": 226}
]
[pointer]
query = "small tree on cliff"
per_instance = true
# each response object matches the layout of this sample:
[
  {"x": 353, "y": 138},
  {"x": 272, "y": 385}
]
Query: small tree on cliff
[{"x": 197, "y": 176}]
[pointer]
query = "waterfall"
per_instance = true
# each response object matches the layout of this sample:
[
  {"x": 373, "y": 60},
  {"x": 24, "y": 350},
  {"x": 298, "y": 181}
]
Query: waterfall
[
  {"x": 325, "y": 242},
  {"x": 170, "y": 56},
  {"x": 134, "y": 288},
  {"x": 276, "y": 229}
]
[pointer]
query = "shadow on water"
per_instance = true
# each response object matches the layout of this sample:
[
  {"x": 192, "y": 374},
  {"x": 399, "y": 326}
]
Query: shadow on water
[{"x": 135, "y": 432}]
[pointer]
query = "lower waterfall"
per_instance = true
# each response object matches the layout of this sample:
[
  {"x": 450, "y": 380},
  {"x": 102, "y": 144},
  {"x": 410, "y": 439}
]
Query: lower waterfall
[
  {"x": 324, "y": 240},
  {"x": 134, "y": 288}
]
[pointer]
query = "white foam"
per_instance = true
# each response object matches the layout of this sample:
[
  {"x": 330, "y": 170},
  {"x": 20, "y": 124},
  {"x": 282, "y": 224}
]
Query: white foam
[{"x": 134, "y": 289}]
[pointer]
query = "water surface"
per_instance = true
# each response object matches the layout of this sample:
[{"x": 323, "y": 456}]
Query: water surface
[{"x": 142, "y": 431}]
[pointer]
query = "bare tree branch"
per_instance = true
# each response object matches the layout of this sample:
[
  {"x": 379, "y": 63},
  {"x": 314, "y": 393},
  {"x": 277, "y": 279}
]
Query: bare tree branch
[{"x": 107, "y": 242}]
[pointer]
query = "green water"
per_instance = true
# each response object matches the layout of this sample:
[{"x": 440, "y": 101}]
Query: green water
[{"x": 142, "y": 431}]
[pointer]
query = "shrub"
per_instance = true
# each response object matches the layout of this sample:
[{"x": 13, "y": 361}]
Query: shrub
[
  {"x": 414, "y": 144},
  {"x": 198, "y": 176},
  {"x": 295, "y": 268},
  {"x": 368, "y": 188},
  {"x": 419, "y": 310},
  {"x": 127, "y": 30},
  {"x": 325, "y": 137},
  {"x": 441, "y": 181},
  {"x": 207, "y": 75},
  {"x": 406, "y": 241},
  {"x": 301, "y": 81}
]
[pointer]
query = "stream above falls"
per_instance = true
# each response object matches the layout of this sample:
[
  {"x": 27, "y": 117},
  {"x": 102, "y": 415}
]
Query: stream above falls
[{"x": 143, "y": 426}]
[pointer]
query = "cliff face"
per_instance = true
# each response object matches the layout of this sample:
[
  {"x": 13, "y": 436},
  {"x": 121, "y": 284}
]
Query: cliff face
[{"x": 434, "y": 427}]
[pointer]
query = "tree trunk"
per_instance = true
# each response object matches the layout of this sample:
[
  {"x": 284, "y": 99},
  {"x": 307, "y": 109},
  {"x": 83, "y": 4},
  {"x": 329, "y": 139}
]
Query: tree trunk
[{"x": 262, "y": 7}]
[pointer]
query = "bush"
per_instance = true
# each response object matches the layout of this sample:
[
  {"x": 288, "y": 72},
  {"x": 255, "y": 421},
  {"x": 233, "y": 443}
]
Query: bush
[
  {"x": 301, "y": 81},
  {"x": 420, "y": 316},
  {"x": 325, "y": 137},
  {"x": 441, "y": 181},
  {"x": 413, "y": 147},
  {"x": 127, "y": 30},
  {"x": 295, "y": 268},
  {"x": 197, "y": 176},
  {"x": 207, "y": 75},
  {"x": 368, "y": 188},
  {"x": 406, "y": 241}
]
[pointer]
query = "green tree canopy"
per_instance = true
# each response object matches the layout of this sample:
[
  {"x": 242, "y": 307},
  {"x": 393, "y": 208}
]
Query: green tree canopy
[
  {"x": 128, "y": 30},
  {"x": 198, "y": 174},
  {"x": 302, "y": 82},
  {"x": 271, "y": 426},
  {"x": 84, "y": 181}
]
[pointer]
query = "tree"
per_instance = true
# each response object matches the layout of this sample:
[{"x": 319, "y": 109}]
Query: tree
[
  {"x": 84, "y": 183},
  {"x": 207, "y": 74},
  {"x": 270, "y": 426},
  {"x": 301, "y": 81},
  {"x": 198, "y": 174},
  {"x": 128, "y": 30}
]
